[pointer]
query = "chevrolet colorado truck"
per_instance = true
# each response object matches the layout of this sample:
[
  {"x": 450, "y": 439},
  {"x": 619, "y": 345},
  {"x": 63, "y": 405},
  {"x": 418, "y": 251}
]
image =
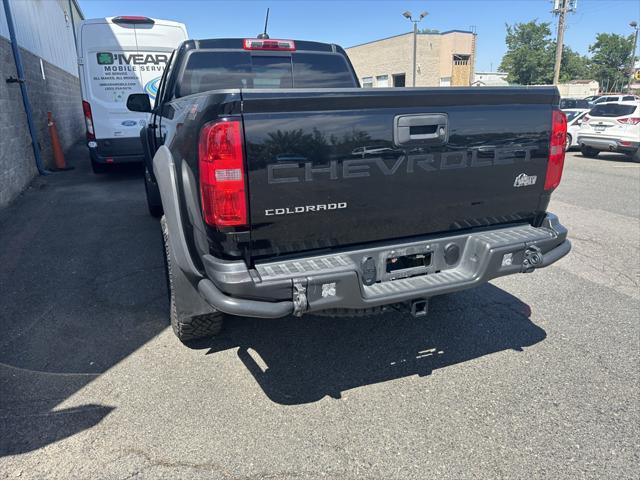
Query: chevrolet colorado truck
[{"x": 286, "y": 189}]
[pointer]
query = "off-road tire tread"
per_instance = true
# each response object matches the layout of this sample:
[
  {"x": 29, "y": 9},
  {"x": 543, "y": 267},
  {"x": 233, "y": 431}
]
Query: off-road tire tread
[{"x": 190, "y": 328}]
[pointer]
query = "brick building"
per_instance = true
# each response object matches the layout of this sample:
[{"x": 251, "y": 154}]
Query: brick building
[
  {"x": 45, "y": 35},
  {"x": 443, "y": 59}
]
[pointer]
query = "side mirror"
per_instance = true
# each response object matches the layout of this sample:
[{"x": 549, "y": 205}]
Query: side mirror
[{"x": 139, "y": 102}]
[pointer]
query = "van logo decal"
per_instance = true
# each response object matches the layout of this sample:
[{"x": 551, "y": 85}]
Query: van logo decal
[
  {"x": 524, "y": 180},
  {"x": 151, "y": 88},
  {"x": 129, "y": 123},
  {"x": 105, "y": 58}
]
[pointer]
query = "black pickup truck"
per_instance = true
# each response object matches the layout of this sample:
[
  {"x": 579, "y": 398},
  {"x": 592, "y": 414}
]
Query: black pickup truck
[{"x": 287, "y": 189}]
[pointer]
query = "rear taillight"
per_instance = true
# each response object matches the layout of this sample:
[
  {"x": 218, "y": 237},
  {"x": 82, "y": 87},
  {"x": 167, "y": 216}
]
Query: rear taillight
[
  {"x": 222, "y": 180},
  {"x": 88, "y": 120},
  {"x": 629, "y": 121},
  {"x": 269, "y": 44},
  {"x": 557, "y": 146},
  {"x": 586, "y": 119}
]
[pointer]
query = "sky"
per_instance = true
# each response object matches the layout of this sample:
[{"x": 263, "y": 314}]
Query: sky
[{"x": 349, "y": 23}]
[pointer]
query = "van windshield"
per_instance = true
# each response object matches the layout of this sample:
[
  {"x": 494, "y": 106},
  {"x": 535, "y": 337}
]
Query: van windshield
[{"x": 214, "y": 70}]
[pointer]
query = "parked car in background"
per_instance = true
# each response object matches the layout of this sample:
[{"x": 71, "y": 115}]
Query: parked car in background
[
  {"x": 574, "y": 120},
  {"x": 615, "y": 98},
  {"x": 573, "y": 103},
  {"x": 118, "y": 56},
  {"x": 611, "y": 127}
]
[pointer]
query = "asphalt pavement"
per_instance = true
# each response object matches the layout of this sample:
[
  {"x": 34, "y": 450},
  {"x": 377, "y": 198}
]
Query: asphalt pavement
[{"x": 531, "y": 376}]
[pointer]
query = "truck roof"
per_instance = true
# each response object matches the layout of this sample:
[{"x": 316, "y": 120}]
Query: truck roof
[{"x": 238, "y": 43}]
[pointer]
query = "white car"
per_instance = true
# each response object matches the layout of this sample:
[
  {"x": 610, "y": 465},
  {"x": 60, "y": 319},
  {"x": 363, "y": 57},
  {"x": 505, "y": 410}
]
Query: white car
[
  {"x": 611, "y": 127},
  {"x": 574, "y": 121},
  {"x": 615, "y": 98}
]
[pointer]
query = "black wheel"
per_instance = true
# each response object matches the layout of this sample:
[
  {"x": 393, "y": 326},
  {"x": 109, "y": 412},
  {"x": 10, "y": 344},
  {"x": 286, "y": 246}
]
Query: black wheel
[
  {"x": 568, "y": 143},
  {"x": 636, "y": 156},
  {"x": 154, "y": 203},
  {"x": 99, "y": 168},
  {"x": 181, "y": 297},
  {"x": 588, "y": 152}
]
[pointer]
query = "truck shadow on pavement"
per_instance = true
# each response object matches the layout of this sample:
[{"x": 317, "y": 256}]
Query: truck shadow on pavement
[
  {"x": 81, "y": 288},
  {"x": 298, "y": 361}
]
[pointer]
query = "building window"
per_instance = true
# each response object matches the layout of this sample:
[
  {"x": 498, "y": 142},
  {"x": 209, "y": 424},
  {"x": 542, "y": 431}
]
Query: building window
[
  {"x": 399, "y": 80},
  {"x": 367, "y": 82},
  {"x": 461, "y": 59},
  {"x": 445, "y": 81},
  {"x": 382, "y": 81}
]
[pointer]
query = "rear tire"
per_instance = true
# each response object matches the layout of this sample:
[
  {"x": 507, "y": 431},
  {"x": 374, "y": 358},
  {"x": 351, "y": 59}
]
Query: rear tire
[
  {"x": 569, "y": 142},
  {"x": 636, "y": 156},
  {"x": 186, "y": 327},
  {"x": 589, "y": 152},
  {"x": 99, "y": 168},
  {"x": 154, "y": 204}
]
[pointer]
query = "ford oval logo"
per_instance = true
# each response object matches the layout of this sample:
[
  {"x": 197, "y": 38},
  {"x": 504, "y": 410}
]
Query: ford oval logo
[
  {"x": 152, "y": 87},
  {"x": 129, "y": 123}
]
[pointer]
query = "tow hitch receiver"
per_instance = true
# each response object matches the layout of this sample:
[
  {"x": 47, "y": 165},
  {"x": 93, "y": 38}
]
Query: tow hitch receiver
[{"x": 420, "y": 308}]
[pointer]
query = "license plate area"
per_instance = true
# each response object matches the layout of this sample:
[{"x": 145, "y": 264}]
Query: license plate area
[
  {"x": 406, "y": 262},
  {"x": 599, "y": 128}
]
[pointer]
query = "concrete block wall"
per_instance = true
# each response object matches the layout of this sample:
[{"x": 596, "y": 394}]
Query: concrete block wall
[{"x": 58, "y": 92}]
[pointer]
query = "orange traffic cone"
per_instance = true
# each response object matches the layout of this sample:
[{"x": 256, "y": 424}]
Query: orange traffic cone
[{"x": 58, "y": 155}]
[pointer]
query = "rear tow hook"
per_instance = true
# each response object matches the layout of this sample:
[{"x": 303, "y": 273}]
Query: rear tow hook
[
  {"x": 300, "y": 303},
  {"x": 532, "y": 259}
]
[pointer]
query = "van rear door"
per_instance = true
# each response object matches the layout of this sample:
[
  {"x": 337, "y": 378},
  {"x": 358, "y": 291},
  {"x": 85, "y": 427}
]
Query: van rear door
[{"x": 121, "y": 56}]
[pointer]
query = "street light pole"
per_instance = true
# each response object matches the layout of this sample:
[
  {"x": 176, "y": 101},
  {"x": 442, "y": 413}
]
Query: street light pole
[
  {"x": 633, "y": 25},
  {"x": 409, "y": 17}
]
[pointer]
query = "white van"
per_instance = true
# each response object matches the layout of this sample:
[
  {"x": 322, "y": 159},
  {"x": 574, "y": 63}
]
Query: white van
[{"x": 118, "y": 56}]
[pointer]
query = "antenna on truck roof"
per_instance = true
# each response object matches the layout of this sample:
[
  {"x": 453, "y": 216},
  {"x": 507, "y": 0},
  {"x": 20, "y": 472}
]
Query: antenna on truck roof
[{"x": 266, "y": 22}]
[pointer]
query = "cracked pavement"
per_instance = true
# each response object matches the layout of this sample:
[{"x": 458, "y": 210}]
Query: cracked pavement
[{"x": 532, "y": 376}]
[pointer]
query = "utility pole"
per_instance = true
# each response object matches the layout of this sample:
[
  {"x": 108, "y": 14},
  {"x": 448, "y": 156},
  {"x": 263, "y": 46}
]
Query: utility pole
[
  {"x": 409, "y": 17},
  {"x": 561, "y": 11},
  {"x": 561, "y": 8}
]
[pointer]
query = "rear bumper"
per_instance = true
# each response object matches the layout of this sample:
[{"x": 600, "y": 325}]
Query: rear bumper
[
  {"x": 336, "y": 281},
  {"x": 117, "y": 150},
  {"x": 357, "y": 278},
  {"x": 609, "y": 144}
]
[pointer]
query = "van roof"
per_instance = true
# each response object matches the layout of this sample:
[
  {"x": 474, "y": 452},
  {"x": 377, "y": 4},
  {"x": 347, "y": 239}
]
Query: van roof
[{"x": 110, "y": 20}]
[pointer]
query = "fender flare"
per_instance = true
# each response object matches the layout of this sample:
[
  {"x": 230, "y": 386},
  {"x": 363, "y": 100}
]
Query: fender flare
[{"x": 164, "y": 169}]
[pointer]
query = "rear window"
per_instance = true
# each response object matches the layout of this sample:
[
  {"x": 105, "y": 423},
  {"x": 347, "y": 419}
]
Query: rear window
[
  {"x": 573, "y": 103},
  {"x": 220, "y": 70},
  {"x": 612, "y": 110}
]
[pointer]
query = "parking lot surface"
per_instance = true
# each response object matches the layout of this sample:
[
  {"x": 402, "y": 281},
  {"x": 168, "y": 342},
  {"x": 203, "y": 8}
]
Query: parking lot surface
[{"x": 532, "y": 376}]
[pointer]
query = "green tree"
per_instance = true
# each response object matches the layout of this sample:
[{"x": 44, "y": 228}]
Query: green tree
[
  {"x": 573, "y": 66},
  {"x": 529, "y": 58},
  {"x": 610, "y": 56}
]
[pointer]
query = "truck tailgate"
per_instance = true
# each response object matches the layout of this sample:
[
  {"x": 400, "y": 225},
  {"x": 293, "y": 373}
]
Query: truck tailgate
[{"x": 344, "y": 167}]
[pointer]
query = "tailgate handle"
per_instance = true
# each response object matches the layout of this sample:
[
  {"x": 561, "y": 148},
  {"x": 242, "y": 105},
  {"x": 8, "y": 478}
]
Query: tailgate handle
[{"x": 421, "y": 129}]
